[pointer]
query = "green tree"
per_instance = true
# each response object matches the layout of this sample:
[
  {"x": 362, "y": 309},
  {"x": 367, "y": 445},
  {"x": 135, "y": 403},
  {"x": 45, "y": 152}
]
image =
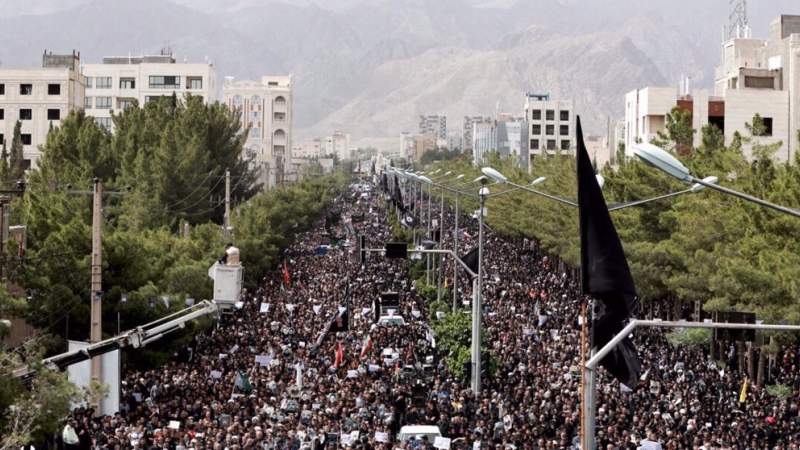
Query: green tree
[
  {"x": 679, "y": 132},
  {"x": 17, "y": 158}
]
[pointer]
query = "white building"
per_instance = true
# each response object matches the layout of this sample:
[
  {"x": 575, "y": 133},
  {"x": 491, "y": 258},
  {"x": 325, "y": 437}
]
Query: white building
[
  {"x": 407, "y": 145},
  {"x": 309, "y": 149},
  {"x": 265, "y": 109},
  {"x": 436, "y": 126},
  {"x": 467, "y": 137},
  {"x": 338, "y": 144},
  {"x": 484, "y": 140},
  {"x": 122, "y": 81},
  {"x": 39, "y": 98},
  {"x": 754, "y": 77},
  {"x": 551, "y": 125}
]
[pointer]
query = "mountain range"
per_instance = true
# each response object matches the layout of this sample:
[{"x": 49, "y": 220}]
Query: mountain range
[{"x": 370, "y": 67}]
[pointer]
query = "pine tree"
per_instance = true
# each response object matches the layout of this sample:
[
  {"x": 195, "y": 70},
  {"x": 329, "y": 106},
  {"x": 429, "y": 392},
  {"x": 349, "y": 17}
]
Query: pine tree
[
  {"x": 17, "y": 158},
  {"x": 4, "y": 164}
]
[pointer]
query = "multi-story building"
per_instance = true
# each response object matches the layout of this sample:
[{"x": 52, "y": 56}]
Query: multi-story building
[
  {"x": 551, "y": 125},
  {"x": 39, "y": 98},
  {"x": 423, "y": 143},
  {"x": 309, "y": 149},
  {"x": 265, "y": 108},
  {"x": 338, "y": 144},
  {"x": 755, "y": 76},
  {"x": 119, "y": 82},
  {"x": 435, "y": 126},
  {"x": 467, "y": 138},
  {"x": 407, "y": 145},
  {"x": 484, "y": 140}
]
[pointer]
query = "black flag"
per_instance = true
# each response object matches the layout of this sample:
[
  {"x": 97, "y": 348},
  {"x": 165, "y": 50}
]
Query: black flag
[
  {"x": 471, "y": 260},
  {"x": 605, "y": 274}
]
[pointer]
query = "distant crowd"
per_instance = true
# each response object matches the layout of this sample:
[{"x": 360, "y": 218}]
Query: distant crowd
[{"x": 268, "y": 376}]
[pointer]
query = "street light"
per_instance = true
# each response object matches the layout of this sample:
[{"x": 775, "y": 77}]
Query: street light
[{"x": 662, "y": 160}]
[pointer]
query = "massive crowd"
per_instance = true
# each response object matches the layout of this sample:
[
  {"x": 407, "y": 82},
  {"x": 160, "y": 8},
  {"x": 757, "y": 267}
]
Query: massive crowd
[{"x": 270, "y": 377}]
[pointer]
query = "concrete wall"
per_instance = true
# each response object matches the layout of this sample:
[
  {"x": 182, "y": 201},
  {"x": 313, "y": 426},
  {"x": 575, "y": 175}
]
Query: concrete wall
[{"x": 742, "y": 104}]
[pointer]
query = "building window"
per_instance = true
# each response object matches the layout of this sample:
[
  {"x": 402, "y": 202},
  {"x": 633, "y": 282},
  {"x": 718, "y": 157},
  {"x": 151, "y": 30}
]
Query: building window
[
  {"x": 125, "y": 103},
  {"x": 25, "y": 114},
  {"x": 54, "y": 114},
  {"x": 127, "y": 83},
  {"x": 564, "y": 115},
  {"x": 165, "y": 82},
  {"x": 194, "y": 82},
  {"x": 2, "y": 115},
  {"x": 551, "y": 144},
  {"x": 536, "y": 114},
  {"x": 550, "y": 114},
  {"x": 550, "y": 130},
  {"x": 2, "y": 139},
  {"x": 536, "y": 129},
  {"x": 26, "y": 164},
  {"x": 767, "y": 126},
  {"x": 26, "y": 138},
  {"x": 25, "y": 89},
  {"x": 88, "y": 82},
  {"x": 279, "y": 116},
  {"x": 53, "y": 89},
  {"x": 534, "y": 144},
  {"x": 563, "y": 130},
  {"x": 102, "y": 83},
  {"x": 87, "y": 103},
  {"x": 104, "y": 122},
  {"x": 565, "y": 144},
  {"x": 280, "y": 101},
  {"x": 103, "y": 102},
  {"x": 2, "y": 89},
  {"x": 255, "y": 133}
]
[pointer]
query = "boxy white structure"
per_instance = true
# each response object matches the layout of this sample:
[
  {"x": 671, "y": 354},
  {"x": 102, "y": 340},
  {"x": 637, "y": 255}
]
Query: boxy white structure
[
  {"x": 227, "y": 279},
  {"x": 80, "y": 375}
]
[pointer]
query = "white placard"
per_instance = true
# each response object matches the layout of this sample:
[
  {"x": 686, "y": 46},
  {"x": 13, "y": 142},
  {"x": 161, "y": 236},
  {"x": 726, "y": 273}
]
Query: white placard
[
  {"x": 174, "y": 425},
  {"x": 373, "y": 368},
  {"x": 223, "y": 355},
  {"x": 264, "y": 308},
  {"x": 352, "y": 374},
  {"x": 215, "y": 374},
  {"x": 415, "y": 313},
  {"x": 317, "y": 308},
  {"x": 238, "y": 305},
  {"x": 263, "y": 360},
  {"x": 381, "y": 436},
  {"x": 441, "y": 443},
  {"x": 290, "y": 307},
  {"x": 365, "y": 311}
]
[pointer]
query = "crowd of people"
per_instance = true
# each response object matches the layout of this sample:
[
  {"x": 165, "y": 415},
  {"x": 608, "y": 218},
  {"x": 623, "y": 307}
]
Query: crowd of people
[{"x": 288, "y": 375}]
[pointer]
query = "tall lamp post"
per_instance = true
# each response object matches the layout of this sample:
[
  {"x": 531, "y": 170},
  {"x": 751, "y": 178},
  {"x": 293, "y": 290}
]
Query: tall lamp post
[{"x": 662, "y": 160}]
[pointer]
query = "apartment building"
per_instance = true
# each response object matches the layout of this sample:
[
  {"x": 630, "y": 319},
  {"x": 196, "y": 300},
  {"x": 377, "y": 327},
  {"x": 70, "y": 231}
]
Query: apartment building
[
  {"x": 265, "y": 109},
  {"x": 314, "y": 148},
  {"x": 467, "y": 138},
  {"x": 435, "y": 126},
  {"x": 338, "y": 144},
  {"x": 484, "y": 140},
  {"x": 122, "y": 81},
  {"x": 755, "y": 76},
  {"x": 551, "y": 125},
  {"x": 407, "y": 146},
  {"x": 39, "y": 98}
]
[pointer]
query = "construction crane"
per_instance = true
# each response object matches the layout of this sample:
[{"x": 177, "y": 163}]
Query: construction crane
[{"x": 135, "y": 338}]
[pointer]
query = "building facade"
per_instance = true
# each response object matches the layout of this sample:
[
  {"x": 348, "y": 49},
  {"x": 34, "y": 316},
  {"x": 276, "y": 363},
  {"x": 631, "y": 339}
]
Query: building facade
[
  {"x": 309, "y": 149},
  {"x": 755, "y": 76},
  {"x": 435, "y": 126},
  {"x": 265, "y": 108},
  {"x": 551, "y": 125},
  {"x": 467, "y": 136},
  {"x": 119, "y": 82},
  {"x": 39, "y": 98},
  {"x": 484, "y": 140},
  {"x": 338, "y": 144},
  {"x": 407, "y": 146}
]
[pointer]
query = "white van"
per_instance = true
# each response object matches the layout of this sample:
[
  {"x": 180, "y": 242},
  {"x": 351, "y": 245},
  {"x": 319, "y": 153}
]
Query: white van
[{"x": 409, "y": 432}]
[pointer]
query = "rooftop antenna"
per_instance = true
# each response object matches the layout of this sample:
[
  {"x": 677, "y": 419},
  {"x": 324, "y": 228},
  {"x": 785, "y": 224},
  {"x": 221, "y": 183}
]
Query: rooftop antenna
[{"x": 738, "y": 25}]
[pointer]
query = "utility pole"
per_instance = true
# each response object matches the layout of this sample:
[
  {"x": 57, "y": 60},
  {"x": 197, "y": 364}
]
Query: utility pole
[
  {"x": 96, "y": 334},
  {"x": 227, "y": 220}
]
